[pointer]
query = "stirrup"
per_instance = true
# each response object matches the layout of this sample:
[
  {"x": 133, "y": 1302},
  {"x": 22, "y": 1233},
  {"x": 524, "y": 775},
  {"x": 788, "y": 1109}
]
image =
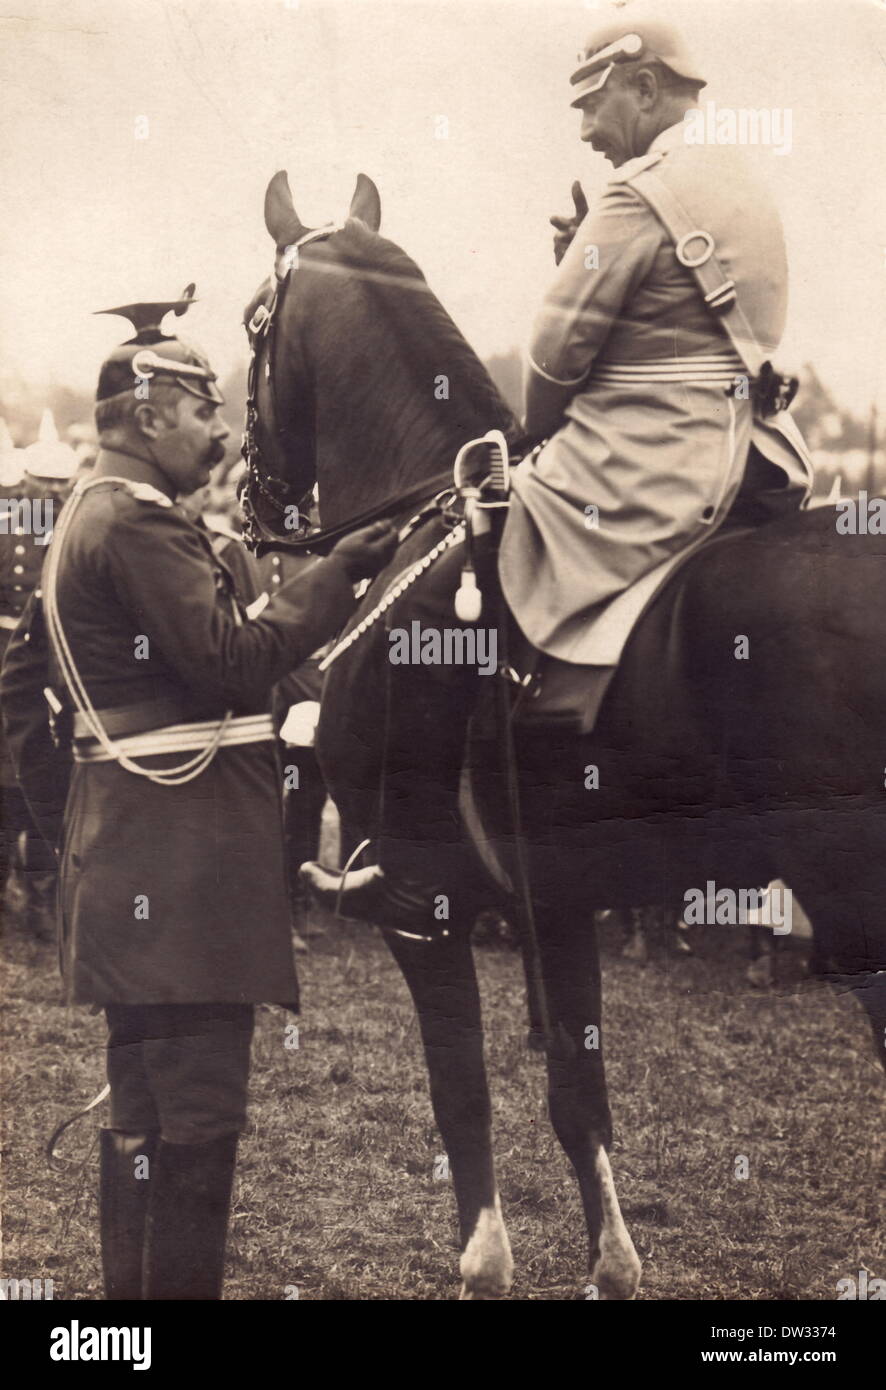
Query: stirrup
[{"x": 392, "y": 903}]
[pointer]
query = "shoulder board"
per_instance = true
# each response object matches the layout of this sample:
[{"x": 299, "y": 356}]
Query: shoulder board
[
  {"x": 636, "y": 166},
  {"x": 143, "y": 492},
  {"x": 224, "y": 533}
]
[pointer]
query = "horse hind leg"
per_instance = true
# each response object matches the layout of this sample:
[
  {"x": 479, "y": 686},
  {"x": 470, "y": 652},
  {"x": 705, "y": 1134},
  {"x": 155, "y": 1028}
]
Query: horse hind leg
[
  {"x": 613, "y": 1262},
  {"x": 443, "y": 984},
  {"x": 577, "y": 1098},
  {"x": 837, "y": 868}
]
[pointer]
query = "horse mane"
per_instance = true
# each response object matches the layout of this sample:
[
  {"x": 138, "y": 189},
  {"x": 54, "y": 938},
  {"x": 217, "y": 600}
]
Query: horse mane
[
  {"x": 411, "y": 308},
  {"x": 362, "y": 347}
]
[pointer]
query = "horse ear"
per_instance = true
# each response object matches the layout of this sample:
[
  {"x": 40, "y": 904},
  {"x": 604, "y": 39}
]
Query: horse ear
[
  {"x": 366, "y": 203},
  {"x": 281, "y": 218}
]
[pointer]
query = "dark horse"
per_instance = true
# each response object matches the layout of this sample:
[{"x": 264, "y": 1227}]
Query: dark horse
[{"x": 707, "y": 767}]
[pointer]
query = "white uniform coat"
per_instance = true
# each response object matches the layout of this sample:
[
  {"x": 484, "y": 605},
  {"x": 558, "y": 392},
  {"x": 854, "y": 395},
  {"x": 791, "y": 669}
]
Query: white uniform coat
[{"x": 636, "y": 474}]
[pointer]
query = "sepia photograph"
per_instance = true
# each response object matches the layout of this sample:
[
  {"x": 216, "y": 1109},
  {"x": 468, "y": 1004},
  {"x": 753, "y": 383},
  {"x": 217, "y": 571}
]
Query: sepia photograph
[{"x": 443, "y": 689}]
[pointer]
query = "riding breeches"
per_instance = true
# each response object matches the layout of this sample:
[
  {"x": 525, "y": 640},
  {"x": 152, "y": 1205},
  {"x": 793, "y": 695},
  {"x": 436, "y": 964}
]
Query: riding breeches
[{"x": 182, "y": 1069}]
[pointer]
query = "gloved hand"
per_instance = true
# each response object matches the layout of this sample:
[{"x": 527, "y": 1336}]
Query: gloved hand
[
  {"x": 568, "y": 226},
  {"x": 366, "y": 552}
]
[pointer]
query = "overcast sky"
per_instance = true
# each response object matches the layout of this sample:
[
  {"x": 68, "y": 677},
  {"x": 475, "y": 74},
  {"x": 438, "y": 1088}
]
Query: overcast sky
[{"x": 234, "y": 89}]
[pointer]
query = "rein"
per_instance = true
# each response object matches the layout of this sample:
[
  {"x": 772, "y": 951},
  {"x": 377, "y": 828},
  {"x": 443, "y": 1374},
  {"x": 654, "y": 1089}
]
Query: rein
[{"x": 321, "y": 540}]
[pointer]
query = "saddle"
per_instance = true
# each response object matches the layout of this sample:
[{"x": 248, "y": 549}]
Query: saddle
[{"x": 555, "y": 692}]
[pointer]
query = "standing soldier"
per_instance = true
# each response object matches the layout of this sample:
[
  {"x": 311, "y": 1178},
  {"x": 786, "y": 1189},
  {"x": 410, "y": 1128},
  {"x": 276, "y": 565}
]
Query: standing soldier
[
  {"x": 173, "y": 909},
  {"x": 41, "y": 478}
]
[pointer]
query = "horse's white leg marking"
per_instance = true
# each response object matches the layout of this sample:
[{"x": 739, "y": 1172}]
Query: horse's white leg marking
[
  {"x": 487, "y": 1266},
  {"x": 617, "y": 1270}
]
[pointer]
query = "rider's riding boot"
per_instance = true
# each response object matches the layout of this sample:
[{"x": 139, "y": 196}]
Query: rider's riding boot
[
  {"x": 407, "y": 906},
  {"x": 188, "y": 1219},
  {"x": 125, "y": 1185}
]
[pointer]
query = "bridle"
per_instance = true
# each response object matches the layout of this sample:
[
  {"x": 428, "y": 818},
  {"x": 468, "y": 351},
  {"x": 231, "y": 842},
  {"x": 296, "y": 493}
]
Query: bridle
[
  {"x": 302, "y": 539},
  {"x": 261, "y": 333}
]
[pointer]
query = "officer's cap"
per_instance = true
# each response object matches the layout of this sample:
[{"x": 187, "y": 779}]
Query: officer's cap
[
  {"x": 629, "y": 33},
  {"x": 50, "y": 460},
  {"x": 152, "y": 354}
]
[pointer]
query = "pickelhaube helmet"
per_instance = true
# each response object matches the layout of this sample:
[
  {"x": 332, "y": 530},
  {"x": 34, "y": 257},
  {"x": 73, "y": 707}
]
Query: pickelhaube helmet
[
  {"x": 12, "y": 467},
  {"x": 50, "y": 459},
  {"x": 152, "y": 353},
  {"x": 630, "y": 32}
]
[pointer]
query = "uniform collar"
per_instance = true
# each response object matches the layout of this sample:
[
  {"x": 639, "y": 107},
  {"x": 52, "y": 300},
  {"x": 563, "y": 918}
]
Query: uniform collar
[{"x": 670, "y": 138}]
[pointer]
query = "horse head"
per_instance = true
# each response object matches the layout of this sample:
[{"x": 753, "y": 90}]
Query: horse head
[{"x": 360, "y": 381}]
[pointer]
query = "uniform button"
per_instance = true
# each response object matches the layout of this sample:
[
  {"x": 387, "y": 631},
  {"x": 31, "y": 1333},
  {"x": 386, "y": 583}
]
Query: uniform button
[
  {"x": 18, "y": 569},
  {"x": 18, "y": 588},
  {"x": 275, "y": 579},
  {"x": 19, "y": 531},
  {"x": 19, "y": 550}
]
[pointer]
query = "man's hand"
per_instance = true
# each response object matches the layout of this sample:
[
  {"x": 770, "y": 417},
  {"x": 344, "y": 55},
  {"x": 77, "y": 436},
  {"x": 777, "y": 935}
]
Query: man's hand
[
  {"x": 568, "y": 226},
  {"x": 366, "y": 552}
]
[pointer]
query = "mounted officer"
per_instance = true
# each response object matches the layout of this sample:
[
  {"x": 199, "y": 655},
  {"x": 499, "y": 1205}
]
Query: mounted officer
[
  {"x": 649, "y": 376},
  {"x": 648, "y": 369},
  {"x": 173, "y": 905}
]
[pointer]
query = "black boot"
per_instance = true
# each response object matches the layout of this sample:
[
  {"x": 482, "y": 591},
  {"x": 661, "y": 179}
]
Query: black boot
[
  {"x": 399, "y": 904},
  {"x": 188, "y": 1219},
  {"x": 126, "y": 1182}
]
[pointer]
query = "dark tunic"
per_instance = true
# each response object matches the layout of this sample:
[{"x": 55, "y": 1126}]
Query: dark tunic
[
  {"x": 207, "y": 856},
  {"x": 22, "y": 552}
]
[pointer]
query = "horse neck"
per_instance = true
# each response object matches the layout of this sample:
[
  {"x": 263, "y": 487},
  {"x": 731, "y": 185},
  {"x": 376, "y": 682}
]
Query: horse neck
[
  {"x": 366, "y": 458},
  {"x": 398, "y": 391}
]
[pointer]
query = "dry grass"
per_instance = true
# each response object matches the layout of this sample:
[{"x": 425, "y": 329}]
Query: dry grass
[{"x": 335, "y": 1191}]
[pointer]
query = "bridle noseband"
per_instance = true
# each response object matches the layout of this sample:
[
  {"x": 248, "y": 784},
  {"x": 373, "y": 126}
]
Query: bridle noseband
[{"x": 260, "y": 330}]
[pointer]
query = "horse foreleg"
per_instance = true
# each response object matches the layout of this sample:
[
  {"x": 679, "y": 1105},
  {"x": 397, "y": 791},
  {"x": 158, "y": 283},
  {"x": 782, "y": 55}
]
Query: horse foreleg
[
  {"x": 443, "y": 984},
  {"x": 579, "y": 1106}
]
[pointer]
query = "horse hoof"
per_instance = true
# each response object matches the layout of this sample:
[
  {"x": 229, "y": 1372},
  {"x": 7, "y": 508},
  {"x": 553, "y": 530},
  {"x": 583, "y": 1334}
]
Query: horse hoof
[{"x": 487, "y": 1266}]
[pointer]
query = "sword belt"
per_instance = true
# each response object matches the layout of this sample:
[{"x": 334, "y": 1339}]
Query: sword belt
[
  {"x": 715, "y": 369},
  {"x": 178, "y": 738}
]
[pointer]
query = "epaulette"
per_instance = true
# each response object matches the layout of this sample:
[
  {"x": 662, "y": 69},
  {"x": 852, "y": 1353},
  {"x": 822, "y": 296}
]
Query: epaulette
[
  {"x": 143, "y": 492},
  {"x": 226, "y": 533},
  {"x": 636, "y": 166}
]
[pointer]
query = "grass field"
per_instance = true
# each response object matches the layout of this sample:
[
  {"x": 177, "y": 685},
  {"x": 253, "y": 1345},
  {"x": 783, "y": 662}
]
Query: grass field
[{"x": 336, "y": 1195}]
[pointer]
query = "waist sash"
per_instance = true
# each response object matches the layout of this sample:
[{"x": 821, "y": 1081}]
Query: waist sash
[
  {"x": 716, "y": 369},
  {"x": 180, "y": 738}
]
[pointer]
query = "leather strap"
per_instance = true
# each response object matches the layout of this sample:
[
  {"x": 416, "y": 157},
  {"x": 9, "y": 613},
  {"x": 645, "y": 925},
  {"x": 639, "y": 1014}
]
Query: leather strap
[
  {"x": 133, "y": 719},
  {"x": 720, "y": 293}
]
